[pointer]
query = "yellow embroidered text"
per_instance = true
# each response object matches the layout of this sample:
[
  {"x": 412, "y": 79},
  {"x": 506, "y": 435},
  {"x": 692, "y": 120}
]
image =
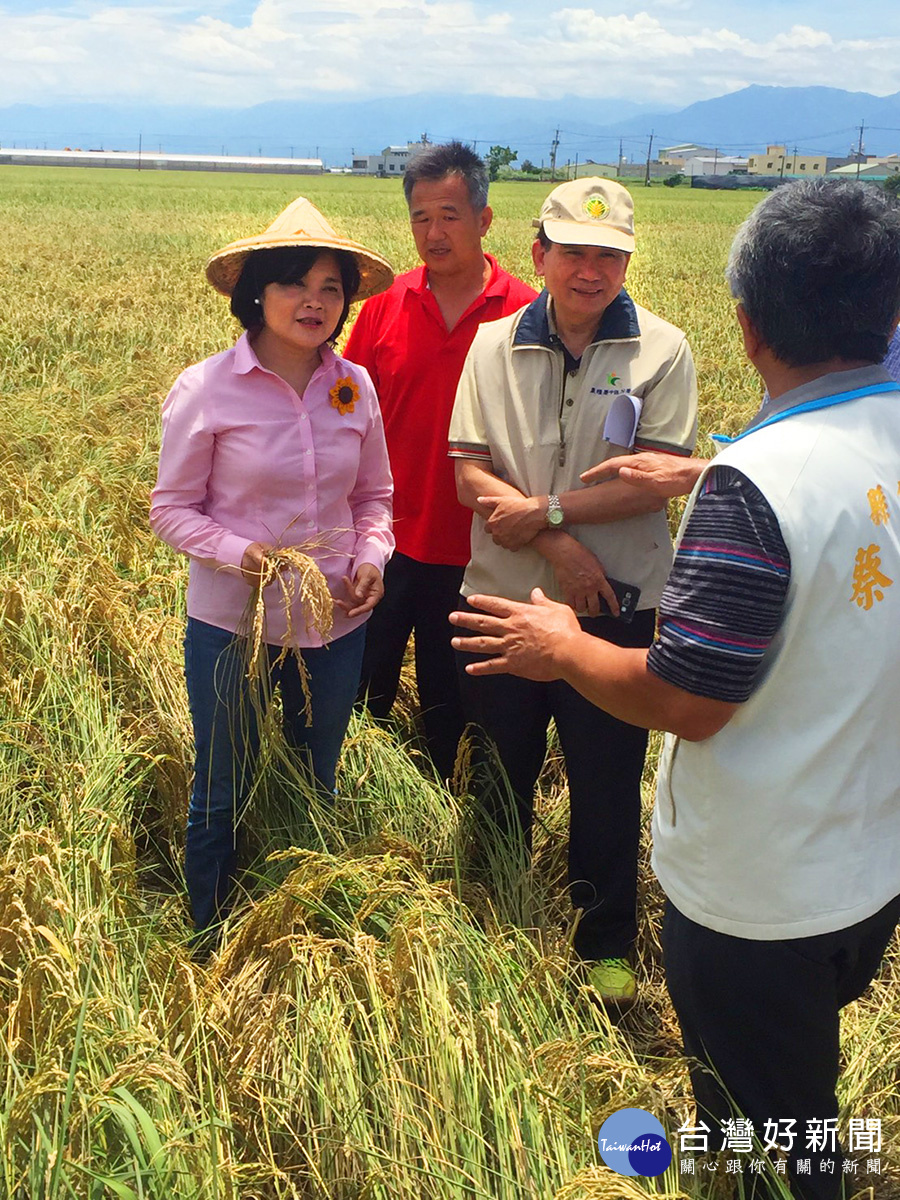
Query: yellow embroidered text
[
  {"x": 868, "y": 578},
  {"x": 878, "y": 507}
]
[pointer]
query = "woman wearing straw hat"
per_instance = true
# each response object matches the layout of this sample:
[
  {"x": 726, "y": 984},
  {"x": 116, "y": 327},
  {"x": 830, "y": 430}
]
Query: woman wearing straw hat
[{"x": 273, "y": 455}]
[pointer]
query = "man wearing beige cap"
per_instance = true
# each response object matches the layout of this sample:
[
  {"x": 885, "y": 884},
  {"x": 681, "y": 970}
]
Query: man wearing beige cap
[{"x": 579, "y": 375}]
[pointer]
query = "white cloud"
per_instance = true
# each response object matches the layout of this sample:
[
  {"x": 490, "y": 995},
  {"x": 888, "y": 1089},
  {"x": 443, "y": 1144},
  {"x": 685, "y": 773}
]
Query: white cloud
[
  {"x": 800, "y": 36},
  {"x": 294, "y": 48}
]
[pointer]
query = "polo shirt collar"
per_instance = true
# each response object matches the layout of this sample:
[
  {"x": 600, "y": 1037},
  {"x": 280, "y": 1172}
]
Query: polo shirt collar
[
  {"x": 418, "y": 279},
  {"x": 536, "y": 328},
  {"x": 818, "y": 389},
  {"x": 495, "y": 285}
]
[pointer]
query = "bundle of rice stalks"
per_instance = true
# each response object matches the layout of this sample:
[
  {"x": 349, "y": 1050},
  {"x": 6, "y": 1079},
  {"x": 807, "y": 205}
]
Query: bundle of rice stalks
[{"x": 298, "y": 579}]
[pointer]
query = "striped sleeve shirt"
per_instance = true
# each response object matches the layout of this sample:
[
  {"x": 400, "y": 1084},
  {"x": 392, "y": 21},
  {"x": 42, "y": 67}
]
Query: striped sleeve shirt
[{"x": 725, "y": 595}]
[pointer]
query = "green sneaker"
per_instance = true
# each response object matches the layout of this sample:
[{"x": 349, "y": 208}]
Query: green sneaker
[{"x": 613, "y": 980}]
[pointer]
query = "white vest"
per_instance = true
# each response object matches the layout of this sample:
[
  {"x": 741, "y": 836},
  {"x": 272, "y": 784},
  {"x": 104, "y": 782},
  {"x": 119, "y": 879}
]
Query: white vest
[{"x": 786, "y": 823}]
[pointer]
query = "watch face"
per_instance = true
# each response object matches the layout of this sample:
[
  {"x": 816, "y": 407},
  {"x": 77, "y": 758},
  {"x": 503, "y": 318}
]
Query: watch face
[{"x": 555, "y": 516}]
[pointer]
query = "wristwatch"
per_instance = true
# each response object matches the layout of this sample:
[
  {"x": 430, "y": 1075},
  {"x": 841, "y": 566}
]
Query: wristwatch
[{"x": 555, "y": 515}]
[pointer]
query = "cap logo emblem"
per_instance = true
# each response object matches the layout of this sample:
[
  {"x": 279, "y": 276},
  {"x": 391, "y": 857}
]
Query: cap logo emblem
[{"x": 596, "y": 207}]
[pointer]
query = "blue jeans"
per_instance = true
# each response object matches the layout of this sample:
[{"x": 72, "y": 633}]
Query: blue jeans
[{"x": 226, "y": 742}]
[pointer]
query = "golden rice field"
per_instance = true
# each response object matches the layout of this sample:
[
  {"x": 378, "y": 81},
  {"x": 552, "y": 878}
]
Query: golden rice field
[{"x": 374, "y": 1029}]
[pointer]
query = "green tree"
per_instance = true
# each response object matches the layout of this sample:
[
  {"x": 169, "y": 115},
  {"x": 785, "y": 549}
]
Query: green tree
[
  {"x": 892, "y": 184},
  {"x": 497, "y": 157},
  {"x": 673, "y": 180},
  {"x": 528, "y": 167}
]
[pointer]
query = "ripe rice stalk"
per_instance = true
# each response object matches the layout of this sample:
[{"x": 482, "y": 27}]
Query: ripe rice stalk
[{"x": 299, "y": 580}]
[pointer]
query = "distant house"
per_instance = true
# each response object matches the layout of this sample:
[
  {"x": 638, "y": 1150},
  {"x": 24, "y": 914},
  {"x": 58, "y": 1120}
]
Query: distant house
[
  {"x": 777, "y": 161},
  {"x": 391, "y": 162},
  {"x": 717, "y": 164},
  {"x": 874, "y": 169},
  {"x": 677, "y": 156}
]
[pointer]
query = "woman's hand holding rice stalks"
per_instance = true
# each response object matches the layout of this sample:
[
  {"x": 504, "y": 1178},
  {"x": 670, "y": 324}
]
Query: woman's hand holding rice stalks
[
  {"x": 252, "y": 562},
  {"x": 299, "y": 577}
]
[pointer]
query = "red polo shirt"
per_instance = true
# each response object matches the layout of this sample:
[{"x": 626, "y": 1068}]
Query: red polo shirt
[{"x": 415, "y": 363}]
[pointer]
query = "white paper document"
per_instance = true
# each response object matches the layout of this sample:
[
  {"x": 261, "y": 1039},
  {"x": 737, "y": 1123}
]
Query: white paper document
[{"x": 622, "y": 420}]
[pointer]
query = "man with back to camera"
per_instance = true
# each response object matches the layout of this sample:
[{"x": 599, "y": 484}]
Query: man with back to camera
[
  {"x": 580, "y": 374},
  {"x": 413, "y": 340},
  {"x": 777, "y": 676}
]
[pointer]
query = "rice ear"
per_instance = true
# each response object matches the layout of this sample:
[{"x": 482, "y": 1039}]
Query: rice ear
[{"x": 297, "y": 577}]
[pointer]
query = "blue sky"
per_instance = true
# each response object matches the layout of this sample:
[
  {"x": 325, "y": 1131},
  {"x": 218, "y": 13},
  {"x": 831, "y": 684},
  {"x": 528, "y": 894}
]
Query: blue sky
[{"x": 241, "y": 52}]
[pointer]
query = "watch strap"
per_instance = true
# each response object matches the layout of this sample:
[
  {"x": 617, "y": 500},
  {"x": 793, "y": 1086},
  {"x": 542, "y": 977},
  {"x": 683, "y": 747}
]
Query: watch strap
[{"x": 554, "y": 512}]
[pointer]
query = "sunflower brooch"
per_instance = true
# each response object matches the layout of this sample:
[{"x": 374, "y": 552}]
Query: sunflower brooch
[{"x": 344, "y": 395}]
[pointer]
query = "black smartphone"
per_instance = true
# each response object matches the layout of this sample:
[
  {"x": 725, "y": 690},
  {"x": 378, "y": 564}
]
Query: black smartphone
[{"x": 627, "y": 595}]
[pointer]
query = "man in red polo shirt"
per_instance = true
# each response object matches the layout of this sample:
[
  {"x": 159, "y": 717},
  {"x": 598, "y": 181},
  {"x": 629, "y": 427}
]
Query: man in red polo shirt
[{"x": 413, "y": 340}]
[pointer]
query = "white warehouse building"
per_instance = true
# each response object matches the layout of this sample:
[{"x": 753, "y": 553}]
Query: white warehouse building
[
  {"x": 721, "y": 164},
  {"x": 391, "y": 162},
  {"x": 147, "y": 161}
]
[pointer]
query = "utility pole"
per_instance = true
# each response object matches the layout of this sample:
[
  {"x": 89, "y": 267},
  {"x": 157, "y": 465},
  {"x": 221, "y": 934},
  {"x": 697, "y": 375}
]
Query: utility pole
[
  {"x": 576, "y": 164},
  {"x": 649, "y": 152},
  {"x": 553, "y": 146},
  {"x": 859, "y": 149},
  {"x": 619, "y": 160}
]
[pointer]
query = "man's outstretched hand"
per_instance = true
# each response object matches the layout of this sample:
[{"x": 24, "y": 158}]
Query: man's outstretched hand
[
  {"x": 660, "y": 475},
  {"x": 523, "y": 639}
]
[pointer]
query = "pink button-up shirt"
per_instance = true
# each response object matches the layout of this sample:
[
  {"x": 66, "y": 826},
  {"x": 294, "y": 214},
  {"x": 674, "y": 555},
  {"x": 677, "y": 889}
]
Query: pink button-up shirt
[{"x": 245, "y": 459}]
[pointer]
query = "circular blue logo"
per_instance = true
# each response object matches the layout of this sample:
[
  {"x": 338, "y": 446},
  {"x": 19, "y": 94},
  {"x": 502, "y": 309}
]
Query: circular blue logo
[{"x": 633, "y": 1142}]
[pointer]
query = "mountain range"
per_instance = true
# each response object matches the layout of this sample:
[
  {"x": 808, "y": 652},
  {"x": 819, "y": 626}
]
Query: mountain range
[{"x": 815, "y": 119}]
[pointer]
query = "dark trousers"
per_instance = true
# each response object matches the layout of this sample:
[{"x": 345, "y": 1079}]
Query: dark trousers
[
  {"x": 418, "y": 598},
  {"x": 764, "y": 1017},
  {"x": 604, "y": 760},
  {"x": 226, "y": 741}
]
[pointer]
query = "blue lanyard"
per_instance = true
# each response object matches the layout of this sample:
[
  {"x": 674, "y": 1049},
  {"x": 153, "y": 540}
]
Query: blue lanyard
[{"x": 810, "y": 406}]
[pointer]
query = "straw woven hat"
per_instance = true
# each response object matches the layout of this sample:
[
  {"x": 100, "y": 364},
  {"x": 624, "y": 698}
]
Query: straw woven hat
[{"x": 301, "y": 224}]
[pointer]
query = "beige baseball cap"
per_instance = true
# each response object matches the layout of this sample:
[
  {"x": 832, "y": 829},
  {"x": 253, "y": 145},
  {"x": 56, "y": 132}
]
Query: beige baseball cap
[{"x": 589, "y": 212}]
